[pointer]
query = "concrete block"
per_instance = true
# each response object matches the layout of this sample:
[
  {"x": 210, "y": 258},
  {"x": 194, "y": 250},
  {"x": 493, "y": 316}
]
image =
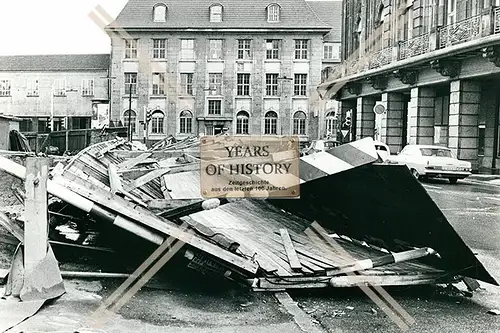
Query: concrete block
[
  {"x": 427, "y": 112},
  {"x": 467, "y": 154},
  {"x": 452, "y": 142},
  {"x": 468, "y": 132},
  {"x": 425, "y": 132},
  {"x": 468, "y": 143},
  {"x": 425, "y": 140},
  {"x": 470, "y": 86},
  {"x": 469, "y": 120},
  {"x": 425, "y": 102},
  {"x": 453, "y": 120},
  {"x": 425, "y": 121}
]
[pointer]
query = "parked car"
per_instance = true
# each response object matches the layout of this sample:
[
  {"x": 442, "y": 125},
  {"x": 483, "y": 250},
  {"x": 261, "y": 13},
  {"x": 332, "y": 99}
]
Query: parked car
[
  {"x": 432, "y": 162},
  {"x": 383, "y": 150},
  {"x": 319, "y": 145}
]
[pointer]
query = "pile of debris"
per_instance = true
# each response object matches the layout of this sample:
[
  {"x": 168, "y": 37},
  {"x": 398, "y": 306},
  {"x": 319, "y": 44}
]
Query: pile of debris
[{"x": 322, "y": 239}]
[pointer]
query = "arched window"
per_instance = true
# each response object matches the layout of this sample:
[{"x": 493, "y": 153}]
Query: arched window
[
  {"x": 216, "y": 13},
  {"x": 242, "y": 122},
  {"x": 186, "y": 122},
  {"x": 130, "y": 118},
  {"x": 160, "y": 12},
  {"x": 330, "y": 123},
  {"x": 299, "y": 123},
  {"x": 273, "y": 13},
  {"x": 157, "y": 122},
  {"x": 271, "y": 123}
]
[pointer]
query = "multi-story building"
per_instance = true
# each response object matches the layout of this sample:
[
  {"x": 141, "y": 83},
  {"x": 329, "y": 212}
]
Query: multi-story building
[
  {"x": 433, "y": 64},
  {"x": 248, "y": 67},
  {"x": 330, "y": 12},
  {"x": 69, "y": 89}
]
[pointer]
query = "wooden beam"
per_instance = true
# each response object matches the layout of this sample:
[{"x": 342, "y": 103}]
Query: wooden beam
[
  {"x": 130, "y": 163},
  {"x": 143, "y": 180},
  {"x": 384, "y": 280},
  {"x": 36, "y": 225},
  {"x": 114, "y": 179},
  {"x": 293, "y": 259}
]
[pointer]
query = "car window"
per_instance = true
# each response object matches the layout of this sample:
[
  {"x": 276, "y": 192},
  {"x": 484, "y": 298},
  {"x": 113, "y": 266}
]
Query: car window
[
  {"x": 381, "y": 148},
  {"x": 436, "y": 152}
]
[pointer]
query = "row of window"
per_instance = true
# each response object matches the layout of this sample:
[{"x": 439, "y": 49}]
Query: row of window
[
  {"x": 59, "y": 87},
  {"x": 160, "y": 12},
  {"x": 242, "y": 122},
  {"x": 244, "y": 51},
  {"x": 42, "y": 124},
  {"x": 243, "y": 84}
]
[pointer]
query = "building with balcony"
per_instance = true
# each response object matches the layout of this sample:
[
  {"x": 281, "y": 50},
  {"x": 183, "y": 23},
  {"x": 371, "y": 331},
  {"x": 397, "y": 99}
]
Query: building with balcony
[
  {"x": 433, "y": 64},
  {"x": 201, "y": 67},
  {"x": 62, "y": 91}
]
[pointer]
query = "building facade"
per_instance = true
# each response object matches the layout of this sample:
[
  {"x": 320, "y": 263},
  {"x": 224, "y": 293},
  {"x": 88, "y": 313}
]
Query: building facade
[
  {"x": 435, "y": 67},
  {"x": 204, "y": 68},
  {"x": 54, "y": 91}
]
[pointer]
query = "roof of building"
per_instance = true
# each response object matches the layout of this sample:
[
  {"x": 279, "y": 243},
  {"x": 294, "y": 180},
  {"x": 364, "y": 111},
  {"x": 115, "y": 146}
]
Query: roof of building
[
  {"x": 8, "y": 117},
  {"x": 330, "y": 12},
  {"x": 57, "y": 62},
  {"x": 236, "y": 14}
]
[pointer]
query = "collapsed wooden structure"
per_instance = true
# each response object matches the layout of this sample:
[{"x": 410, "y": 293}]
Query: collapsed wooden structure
[{"x": 271, "y": 244}]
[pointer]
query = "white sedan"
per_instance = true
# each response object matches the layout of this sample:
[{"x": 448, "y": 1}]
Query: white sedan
[{"x": 432, "y": 162}]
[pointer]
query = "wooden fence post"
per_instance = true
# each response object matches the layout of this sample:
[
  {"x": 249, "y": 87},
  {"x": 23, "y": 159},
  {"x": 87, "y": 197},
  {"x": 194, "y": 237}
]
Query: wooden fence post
[{"x": 36, "y": 227}]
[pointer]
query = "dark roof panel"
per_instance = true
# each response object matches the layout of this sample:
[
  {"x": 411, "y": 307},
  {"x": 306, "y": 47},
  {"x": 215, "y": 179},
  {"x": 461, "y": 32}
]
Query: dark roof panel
[
  {"x": 236, "y": 14},
  {"x": 57, "y": 62},
  {"x": 330, "y": 12}
]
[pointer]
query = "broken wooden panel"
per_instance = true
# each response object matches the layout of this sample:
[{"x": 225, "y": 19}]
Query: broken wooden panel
[{"x": 258, "y": 225}]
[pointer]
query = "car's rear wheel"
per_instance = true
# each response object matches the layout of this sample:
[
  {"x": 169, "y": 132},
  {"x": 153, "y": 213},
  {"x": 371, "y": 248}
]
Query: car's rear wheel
[
  {"x": 415, "y": 174},
  {"x": 453, "y": 180}
]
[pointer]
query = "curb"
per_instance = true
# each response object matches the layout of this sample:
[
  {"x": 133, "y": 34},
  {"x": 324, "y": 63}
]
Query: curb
[{"x": 484, "y": 177}]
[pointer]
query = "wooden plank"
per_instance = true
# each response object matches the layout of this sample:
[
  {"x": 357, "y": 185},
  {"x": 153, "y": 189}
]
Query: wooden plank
[
  {"x": 143, "y": 216},
  {"x": 290, "y": 250},
  {"x": 36, "y": 225},
  {"x": 281, "y": 255},
  {"x": 384, "y": 280},
  {"x": 156, "y": 173},
  {"x": 114, "y": 180},
  {"x": 130, "y": 163}
]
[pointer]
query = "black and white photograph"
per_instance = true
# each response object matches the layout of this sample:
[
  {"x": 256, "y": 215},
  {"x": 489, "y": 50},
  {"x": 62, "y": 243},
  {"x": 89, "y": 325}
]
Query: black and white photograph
[{"x": 236, "y": 166}]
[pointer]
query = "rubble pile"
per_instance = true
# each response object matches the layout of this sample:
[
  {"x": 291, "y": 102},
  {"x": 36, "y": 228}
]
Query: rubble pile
[{"x": 321, "y": 240}]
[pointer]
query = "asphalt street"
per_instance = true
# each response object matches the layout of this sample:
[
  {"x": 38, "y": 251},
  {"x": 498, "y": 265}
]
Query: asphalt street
[{"x": 473, "y": 209}]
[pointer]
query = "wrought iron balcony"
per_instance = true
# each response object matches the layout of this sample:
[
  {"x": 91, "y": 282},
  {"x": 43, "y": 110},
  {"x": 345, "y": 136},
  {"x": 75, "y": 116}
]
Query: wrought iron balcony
[
  {"x": 470, "y": 29},
  {"x": 381, "y": 58},
  {"x": 460, "y": 32},
  {"x": 414, "y": 46}
]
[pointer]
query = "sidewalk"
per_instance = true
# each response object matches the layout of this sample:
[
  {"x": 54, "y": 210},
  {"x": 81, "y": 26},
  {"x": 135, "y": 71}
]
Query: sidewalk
[{"x": 484, "y": 178}]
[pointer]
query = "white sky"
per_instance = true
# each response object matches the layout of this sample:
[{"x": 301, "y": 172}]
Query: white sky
[{"x": 54, "y": 26}]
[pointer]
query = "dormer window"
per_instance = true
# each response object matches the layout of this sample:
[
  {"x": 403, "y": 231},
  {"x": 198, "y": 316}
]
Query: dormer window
[
  {"x": 160, "y": 13},
  {"x": 216, "y": 13},
  {"x": 273, "y": 13}
]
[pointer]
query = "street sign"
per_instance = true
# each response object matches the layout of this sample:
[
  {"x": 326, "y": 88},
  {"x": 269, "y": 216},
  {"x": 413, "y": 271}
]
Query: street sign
[
  {"x": 379, "y": 108},
  {"x": 344, "y": 133}
]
